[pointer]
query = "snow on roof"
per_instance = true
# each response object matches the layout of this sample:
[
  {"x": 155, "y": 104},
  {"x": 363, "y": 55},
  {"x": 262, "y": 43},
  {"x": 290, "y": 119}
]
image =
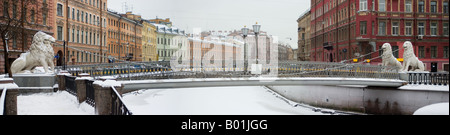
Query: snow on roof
[{"x": 169, "y": 30}]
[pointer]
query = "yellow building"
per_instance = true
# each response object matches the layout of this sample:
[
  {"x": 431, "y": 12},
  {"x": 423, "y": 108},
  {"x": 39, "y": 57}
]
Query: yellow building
[{"x": 149, "y": 41}]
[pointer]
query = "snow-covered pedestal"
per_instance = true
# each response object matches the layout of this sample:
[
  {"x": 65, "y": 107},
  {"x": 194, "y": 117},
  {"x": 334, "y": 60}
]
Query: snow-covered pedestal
[
  {"x": 29, "y": 82},
  {"x": 8, "y": 105},
  {"x": 103, "y": 98}
]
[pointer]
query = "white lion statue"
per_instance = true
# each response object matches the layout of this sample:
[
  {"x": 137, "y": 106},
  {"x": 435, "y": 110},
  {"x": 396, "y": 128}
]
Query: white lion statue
[
  {"x": 410, "y": 59},
  {"x": 388, "y": 58},
  {"x": 40, "y": 54}
]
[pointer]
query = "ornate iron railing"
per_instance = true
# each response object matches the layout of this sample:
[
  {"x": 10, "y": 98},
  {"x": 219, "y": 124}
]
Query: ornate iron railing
[
  {"x": 428, "y": 78},
  {"x": 161, "y": 70},
  {"x": 3, "y": 101},
  {"x": 71, "y": 86},
  {"x": 118, "y": 107},
  {"x": 90, "y": 93}
]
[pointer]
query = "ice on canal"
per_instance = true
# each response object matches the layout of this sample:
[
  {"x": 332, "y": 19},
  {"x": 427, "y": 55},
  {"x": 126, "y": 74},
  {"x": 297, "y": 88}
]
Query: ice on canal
[{"x": 211, "y": 101}]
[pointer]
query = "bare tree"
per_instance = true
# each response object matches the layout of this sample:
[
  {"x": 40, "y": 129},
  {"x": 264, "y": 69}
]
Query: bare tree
[{"x": 12, "y": 24}]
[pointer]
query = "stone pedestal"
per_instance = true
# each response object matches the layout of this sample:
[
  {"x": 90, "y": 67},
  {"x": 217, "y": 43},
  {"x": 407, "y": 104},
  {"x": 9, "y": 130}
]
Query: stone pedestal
[
  {"x": 10, "y": 103},
  {"x": 103, "y": 100},
  {"x": 81, "y": 89},
  {"x": 35, "y": 82}
]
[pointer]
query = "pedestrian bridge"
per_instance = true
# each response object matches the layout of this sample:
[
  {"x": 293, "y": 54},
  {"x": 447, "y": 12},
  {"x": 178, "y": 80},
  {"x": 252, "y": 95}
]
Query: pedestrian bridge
[
  {"x": 257, "y": 81},
  {"x": 160, "y": 75}
]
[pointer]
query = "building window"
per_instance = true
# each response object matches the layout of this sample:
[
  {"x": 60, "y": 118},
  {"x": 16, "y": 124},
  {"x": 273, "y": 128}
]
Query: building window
[
  {"x": 421, "y": 28},
  {"x": 14, "y": 42},
  {"x": 78, "y": 36},
  {"x": 433, "y": 51},
  {"x": 421, "y": 6},
  {"x": 446, "y": 52},
  {"x": 86, "y": 40},
  {"x": 363, "y": 28},
  {"x": 5, "y": 8},
  {"x": 32, "y": 16},
  {"x": 73, "y": 13},
  {"x": 395, "y": 51},
  {"x": 59, "y": 10},
  {"x": 78, "y": 15},
  {"x": 445, "y": 29},
  {"x": 373, "y": 28},
  {"x": 433, "y": 8},
  {"x": 14, "y": 12},
  {"x": 362, "y": 5},
  {"x": 408, "y": 6},
  {"x": 382, "y": 5},
  {"x": 382, "y": 28},
  {"x": 380, "y": 51},
  {"x": 44, "y": 19},
  {"x": 395, "y": 30},
  {"x": 408, "y": 28},
  {"x": 60, "y": 33},
  {"x": 433, "y": 29},
  {"x": 445, "y": 8},
  {"x": 82, "y": 36},
  {"x": 421, "y": 51},
  {"x": 73, "y": 35}
]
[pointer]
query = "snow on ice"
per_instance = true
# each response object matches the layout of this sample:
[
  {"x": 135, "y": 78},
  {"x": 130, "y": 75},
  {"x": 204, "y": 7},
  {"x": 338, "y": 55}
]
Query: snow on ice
[
  {"x": 59, "y": 103},
  {"x": 211, "y": 101},
  {"x": 434, "y": 109}
]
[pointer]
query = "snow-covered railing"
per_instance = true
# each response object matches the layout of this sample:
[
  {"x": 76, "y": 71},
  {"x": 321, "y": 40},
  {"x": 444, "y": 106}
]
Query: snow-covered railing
[
  {"x": 71, "y": 86},
  {"x": 90, "y": 93},
  {"x": 160, "y": 70},
  {"x": 428, "y": 78},
  {"x": 2, "y": 101},
  {"x": 118, "y": 106}
]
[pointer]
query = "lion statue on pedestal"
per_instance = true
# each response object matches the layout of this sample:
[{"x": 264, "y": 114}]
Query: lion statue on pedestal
[
  {"x": 410, "y": 59},
  {"x": 388, "y": 57},
  {"x": 40, "y": 54}
]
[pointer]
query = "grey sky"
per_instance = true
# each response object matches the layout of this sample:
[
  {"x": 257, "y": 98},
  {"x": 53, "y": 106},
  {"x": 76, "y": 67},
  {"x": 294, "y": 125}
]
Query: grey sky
[{"x": 277, "y": 17}]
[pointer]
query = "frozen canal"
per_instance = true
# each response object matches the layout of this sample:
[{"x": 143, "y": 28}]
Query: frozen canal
[
  {"x": 58, "y": 103},
  {"x": 211, "y": 101}
]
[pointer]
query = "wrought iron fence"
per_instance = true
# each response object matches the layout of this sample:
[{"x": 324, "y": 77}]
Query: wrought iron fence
[
  {"x": 71, "y": 86},
  {"x": 3, "y": 101},
  {"x": 161, "y": 70},
  {"x": 118, "y": 107},
  {"x": 90, "y": 93},
  {"x": 428, "y": 78}
]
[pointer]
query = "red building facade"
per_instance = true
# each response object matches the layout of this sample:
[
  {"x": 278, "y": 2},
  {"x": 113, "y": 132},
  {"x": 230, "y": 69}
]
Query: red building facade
[{"x": 345, "y": 29}]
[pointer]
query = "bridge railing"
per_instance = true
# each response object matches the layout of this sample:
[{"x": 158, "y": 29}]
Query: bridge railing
[
  {"x": 161, "y": 70},
  {"x": 3, "y": 101},
  {"x": 428, "y": 78},
  {"x": 71, "y": 85},
  {"x": 90, "y": 92},
  {"x": 118, "y": 107}
]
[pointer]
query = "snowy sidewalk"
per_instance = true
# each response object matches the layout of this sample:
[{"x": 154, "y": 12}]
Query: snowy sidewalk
[
  {"x": 59, "y": 103},
  {"x": 211, "y": 101}
]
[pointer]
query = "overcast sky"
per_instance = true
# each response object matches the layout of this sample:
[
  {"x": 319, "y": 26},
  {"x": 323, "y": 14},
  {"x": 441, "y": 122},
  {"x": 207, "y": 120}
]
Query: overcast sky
[{"x": 277, "y": 17}]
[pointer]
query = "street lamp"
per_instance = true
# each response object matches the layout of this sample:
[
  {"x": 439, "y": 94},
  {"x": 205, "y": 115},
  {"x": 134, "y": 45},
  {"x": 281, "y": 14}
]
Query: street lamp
[
  {"x": 245, "y": 34},
  {"x": 256, "y": 29},
  {"x": 257, "y": 67},
  {"x": 165, "y": 43}
]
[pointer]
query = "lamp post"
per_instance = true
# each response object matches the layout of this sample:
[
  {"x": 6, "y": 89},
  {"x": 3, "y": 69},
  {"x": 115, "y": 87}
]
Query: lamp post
[
  {"x": 256, "y": 29},
  {"x": 257, "y": 68},
  {"x": 165, "y": 41},
  {"x": 245, "y": 34}
]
